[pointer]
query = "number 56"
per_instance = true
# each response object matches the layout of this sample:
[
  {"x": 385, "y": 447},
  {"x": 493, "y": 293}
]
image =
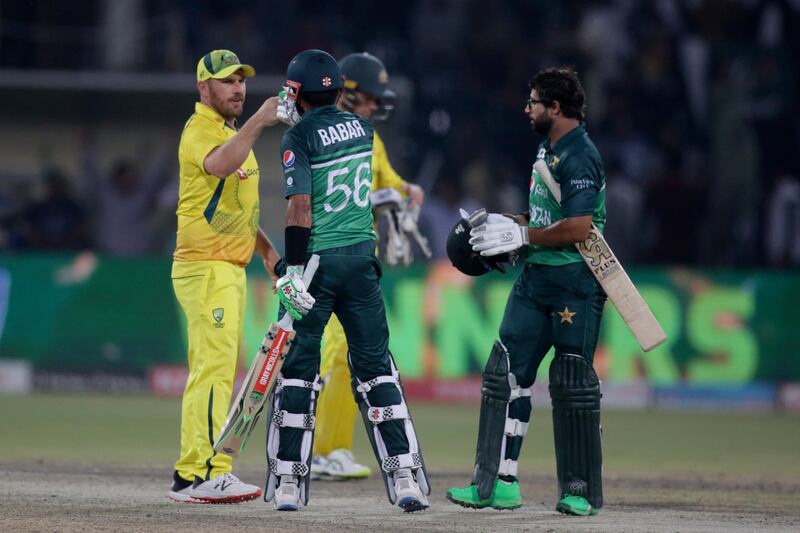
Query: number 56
[{"x": 361, "y": 186}]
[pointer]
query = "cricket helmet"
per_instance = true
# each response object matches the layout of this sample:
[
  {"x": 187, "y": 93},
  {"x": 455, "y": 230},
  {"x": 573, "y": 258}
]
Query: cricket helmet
[
  {"x": 465, "y": 259},
  {"x": 365, "y": 73},
  {"x": 315, "y": 71}
]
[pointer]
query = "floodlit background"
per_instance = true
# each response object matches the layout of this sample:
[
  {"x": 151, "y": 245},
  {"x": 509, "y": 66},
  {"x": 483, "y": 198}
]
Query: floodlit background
[{"x": 692, "y": 104}]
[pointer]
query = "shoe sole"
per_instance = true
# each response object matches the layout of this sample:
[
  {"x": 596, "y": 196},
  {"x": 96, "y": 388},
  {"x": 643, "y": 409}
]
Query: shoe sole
[
  {"x": 412, "y": 505},
  {"x": 470, "y": 505},
  {"x": 507, "y": 507},
  {"x": 286, "y": 508},
  {"x": 239, "y": 498},
  {"x": 182, "y": 498}
]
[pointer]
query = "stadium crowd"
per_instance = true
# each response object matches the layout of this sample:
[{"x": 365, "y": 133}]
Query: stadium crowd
[{"x": 689, "y": 101}]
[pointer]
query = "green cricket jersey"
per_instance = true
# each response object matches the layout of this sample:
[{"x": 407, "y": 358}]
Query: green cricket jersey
[
  {"x": 576, "y": 165},
  {"x": 328, "y": 154}
]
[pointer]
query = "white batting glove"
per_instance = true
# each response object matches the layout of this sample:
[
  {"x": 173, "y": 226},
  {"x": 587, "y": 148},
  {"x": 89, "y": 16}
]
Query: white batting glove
[
  {"x": 287, "y": 110},
  {"x": 293, "y": 294},
  {"x": 498, "y": 235}
]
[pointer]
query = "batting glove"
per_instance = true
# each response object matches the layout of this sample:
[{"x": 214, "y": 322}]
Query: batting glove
[
  {"x": 293, "y": 294},
  {"x": 287, "y": 109},
  {"x": 498, "y": 235}
]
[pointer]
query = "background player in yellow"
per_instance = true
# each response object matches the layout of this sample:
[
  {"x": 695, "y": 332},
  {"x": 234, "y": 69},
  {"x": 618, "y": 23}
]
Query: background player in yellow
[
  {"x": 365, "y": 94},
  {"x": 217, "y": 233}
]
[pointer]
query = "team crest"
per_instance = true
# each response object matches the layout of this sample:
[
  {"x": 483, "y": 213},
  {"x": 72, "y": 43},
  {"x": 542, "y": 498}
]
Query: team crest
[
  {"x": 288, "y": 158},
  {"x": 218, "y": 314},
  {"x": 228, "y": 59}
]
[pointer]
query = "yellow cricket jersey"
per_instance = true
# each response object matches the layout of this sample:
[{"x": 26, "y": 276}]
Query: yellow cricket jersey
[
  {"x": 217, "y": 218},
  {"x": 383, "y": 175}
]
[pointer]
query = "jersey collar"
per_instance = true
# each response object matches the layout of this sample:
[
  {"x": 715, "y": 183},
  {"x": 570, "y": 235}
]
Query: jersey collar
[
  {"x": 321, "y": 110},
  {"x": 210, "y": 113},
  {"x": 566, "y": 139}
]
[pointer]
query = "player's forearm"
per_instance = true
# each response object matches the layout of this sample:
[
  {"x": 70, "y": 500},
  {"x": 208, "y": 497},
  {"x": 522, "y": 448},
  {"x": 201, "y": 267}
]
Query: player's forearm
[
  {"x": 264, "y": 246},
  {"x": 299, "y": 211},
  {"x": 564, "y": 232},
  {"x": 227, "y": 158}
]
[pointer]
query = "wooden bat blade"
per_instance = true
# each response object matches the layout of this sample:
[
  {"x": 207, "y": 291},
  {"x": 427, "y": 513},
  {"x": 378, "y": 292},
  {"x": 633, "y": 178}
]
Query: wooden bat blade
[
  {"x": 249, "y": 403},
  {"x": 260, "y": 379},
  {"x": 621, "y": 290},
  {"x": 612, "y": 277}
]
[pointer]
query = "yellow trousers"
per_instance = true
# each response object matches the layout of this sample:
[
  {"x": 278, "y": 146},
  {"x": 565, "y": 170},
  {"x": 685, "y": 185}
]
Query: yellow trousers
[
  {"x": 212, "y": 295},
  {"x": 336, "y": 409}
]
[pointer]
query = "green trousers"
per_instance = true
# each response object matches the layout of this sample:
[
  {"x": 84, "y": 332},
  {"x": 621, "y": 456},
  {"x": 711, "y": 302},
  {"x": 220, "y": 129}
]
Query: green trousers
[
  {"x": 558, "y": 306},
  {"x": 347, "y": 282}
]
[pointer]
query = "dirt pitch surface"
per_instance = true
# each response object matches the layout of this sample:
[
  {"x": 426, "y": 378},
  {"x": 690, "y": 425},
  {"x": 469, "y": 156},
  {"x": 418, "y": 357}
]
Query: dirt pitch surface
[{"x": 57, "y": 497}]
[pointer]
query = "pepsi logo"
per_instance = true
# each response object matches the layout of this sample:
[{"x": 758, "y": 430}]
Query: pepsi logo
[{"x": 288, "y": 158}]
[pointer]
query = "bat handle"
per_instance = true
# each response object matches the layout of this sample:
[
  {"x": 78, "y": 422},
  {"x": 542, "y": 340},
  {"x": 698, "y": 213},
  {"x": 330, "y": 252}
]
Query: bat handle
[
  {"x": 310, "y": 270},
  {"x": 308, "y": 274}
]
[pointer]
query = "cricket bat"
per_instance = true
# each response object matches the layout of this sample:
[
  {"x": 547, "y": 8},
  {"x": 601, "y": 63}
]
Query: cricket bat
[
  {"x": 260, "y": 379},
  {"x": 612, "y": 277}
]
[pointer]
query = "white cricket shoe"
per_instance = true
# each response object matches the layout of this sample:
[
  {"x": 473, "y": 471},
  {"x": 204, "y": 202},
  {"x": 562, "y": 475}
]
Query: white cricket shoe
[
  {"x": 179, "y": 491},
  {"x": 409, "y": 496},
  {"x": 225, "y": 488},
  {"x": 340, "y": 465},
  {"x": 287, "y": 495}
]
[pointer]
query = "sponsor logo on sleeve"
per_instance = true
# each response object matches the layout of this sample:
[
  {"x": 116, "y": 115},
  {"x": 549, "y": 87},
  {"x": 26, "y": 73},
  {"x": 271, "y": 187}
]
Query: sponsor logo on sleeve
[
  {"x": 580, "y": 184},
  {"x": 288, "y": 158}
]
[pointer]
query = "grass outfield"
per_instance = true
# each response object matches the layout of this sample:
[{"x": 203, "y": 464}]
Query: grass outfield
[{"x": 144, "y": 430}]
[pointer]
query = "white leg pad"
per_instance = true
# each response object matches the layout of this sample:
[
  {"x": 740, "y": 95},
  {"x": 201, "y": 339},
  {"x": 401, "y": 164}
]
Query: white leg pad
[{"x": 280, "y": 418}]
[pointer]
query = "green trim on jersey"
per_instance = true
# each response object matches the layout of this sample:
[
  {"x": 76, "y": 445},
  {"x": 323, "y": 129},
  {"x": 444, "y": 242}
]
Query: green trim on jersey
[
  {"x": 332, "y": 161},
  {"x": 577, "y": 167},
  {"x": 324, "y": 157}
]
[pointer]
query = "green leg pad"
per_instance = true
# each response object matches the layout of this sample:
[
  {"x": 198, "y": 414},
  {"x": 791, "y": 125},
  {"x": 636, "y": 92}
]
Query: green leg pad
[{"x": 575, "y": 391}]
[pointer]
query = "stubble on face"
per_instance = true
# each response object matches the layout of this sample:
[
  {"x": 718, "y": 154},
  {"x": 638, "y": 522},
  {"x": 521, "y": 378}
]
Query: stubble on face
[{"x": 227, "y": 98}]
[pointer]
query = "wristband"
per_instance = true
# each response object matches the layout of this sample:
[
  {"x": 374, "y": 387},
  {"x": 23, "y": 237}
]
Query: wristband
[{"x": 297, "y": 238}]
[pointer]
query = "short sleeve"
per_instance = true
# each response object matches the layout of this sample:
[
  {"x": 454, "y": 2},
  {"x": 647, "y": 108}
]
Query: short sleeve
[
  {"x": 296, "y": 167},
  {"x": 199, "y": 141},
  {"x": 580, "y": 177}
]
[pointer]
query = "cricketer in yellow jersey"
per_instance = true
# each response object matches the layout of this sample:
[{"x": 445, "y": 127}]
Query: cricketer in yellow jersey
[
  {"x": 218, "y": 230},
  {"x": 366, "y": 95}
]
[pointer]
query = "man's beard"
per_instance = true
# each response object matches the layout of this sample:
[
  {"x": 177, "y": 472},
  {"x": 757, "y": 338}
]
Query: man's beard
[
  {"x": 226, "y": 107},
  {"x": 542, "y": 126}
]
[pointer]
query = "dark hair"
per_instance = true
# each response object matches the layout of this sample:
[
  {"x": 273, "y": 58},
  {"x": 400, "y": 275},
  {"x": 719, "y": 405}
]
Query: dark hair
[
  {"x": 320, "y": 98},
  {"x": 561, "y": 85}
]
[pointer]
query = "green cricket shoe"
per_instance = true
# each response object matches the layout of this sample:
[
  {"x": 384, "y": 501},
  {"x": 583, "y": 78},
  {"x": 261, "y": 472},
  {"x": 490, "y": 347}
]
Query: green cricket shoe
[
  {"x": 504, "y": 496},
  {"x": 576, "y": 505}
]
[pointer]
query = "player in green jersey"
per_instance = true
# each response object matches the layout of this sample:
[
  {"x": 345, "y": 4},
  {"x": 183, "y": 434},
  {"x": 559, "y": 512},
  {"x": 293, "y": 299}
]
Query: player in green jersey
[
  {"x": 327, "y": 158},
  {"x": 555, "y": 302}
]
